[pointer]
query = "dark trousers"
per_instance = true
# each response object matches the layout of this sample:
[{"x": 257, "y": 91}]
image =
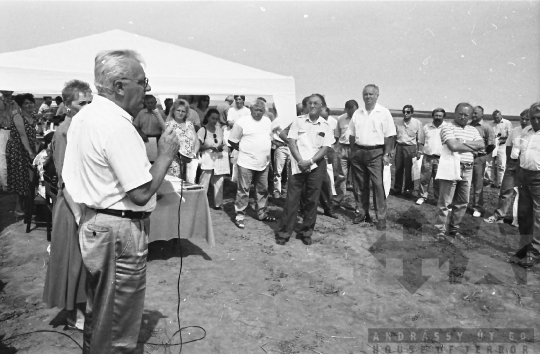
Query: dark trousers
[
  {"x": 404, "y": 156},
  {"x": 529, "y": 210},
  {"x": 507, "y": 192},
  {"x": 313, "y": 183},
  {"x": 479, "y": 168},
  {"x": 366, "y": 165},
  {"x": 325, "y": 198}
]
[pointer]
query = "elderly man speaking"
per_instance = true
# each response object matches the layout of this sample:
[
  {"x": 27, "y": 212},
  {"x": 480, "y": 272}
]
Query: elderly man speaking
[{"x": 106, "y": 169}]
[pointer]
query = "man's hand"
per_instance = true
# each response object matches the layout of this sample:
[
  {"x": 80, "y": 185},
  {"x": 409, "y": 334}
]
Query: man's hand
[
  {"x": 168, "y": 144},
  {"x": 386, "y": 159},
  {"x": 304, "y": 165},
  {"x": 419, "y": 155}
]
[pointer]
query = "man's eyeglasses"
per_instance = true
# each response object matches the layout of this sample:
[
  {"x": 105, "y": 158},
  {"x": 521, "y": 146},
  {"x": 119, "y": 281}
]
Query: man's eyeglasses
[
  {"x": 143, "y": 83},
  {"x": 84, "y": 103},
  {"x": 407, "y": 112}
]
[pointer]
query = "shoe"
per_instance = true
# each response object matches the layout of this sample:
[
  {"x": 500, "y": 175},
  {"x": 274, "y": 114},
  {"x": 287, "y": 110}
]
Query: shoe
[
  {"x": 529, "y": 261},
  {"x": 240, "y": 223},
  {"x": 477, "y": 214},
  {"x": 458, "y": 236},
  {"x": 493, "y": 185},
  {"x": 72, "y": 325},
  {"x": 494, "y": 220},
  {"x": 381, "y": 225},
  {"x": 277, "y": 195},
  {"x": 514, "y": 224},
  {"x": 18, "y": 213},
  {"x": 330, "y": 214},
  {"x": 281, "y": 241},
  {"x": 394, "y": 192},
  {"x": 217, "y": 208},
  {"x": 420, "y": 201},
  {"x": 408, "y": 194},
  {"x": 440, "y": 236},
  {"x": 362, "y": 218},
  {"x": 306, "y": 240}
]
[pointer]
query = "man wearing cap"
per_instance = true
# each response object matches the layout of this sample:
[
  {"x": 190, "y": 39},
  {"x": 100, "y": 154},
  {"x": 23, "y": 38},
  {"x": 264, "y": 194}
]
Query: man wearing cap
[
  {"x": 8, "y": 108},
  {"x": 372, "y": 137}
]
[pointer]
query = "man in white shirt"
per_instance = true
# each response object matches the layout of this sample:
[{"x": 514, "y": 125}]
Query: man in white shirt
[
  {"x": 372, "y": 136},
  {"x": 309, "y": 138},
  {"x": 343, "y": 151},
  {"x": 455, "y": 181},
  {"x": 282, "y": 156},
  {"x": 251, "y": 137},
  {"x": 510, "y": 180},
  {"x": 106, "y": 169},
  {"x": 432, "y": 154},
  {"x": 501, "y": 128},
  {"x": 529, "y": 192}
]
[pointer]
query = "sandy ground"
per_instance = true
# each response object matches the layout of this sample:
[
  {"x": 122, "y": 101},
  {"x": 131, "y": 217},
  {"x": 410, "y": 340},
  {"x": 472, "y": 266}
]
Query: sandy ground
[{"x": 253, "y": 296}]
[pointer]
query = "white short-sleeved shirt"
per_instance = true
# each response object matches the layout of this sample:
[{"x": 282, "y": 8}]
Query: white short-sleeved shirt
[
  {"x": 514, "y": 140},
  {"x": 529, "y": 147},
  {"x": 105, "y": 158},
  {"x": 277, "y": 124},
  {"x": 310, "y": 138},
  {"x": 234, "y": 114},
  {"x": 371, "y": 129},
  {"x": 432, "y": 139},
  {"x": 504, "y": 127},
  {"x": 255, "y": 140}
]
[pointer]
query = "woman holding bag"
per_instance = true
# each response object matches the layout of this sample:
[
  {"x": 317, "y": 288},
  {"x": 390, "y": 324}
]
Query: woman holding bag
[{"x": 214, "y": 156}]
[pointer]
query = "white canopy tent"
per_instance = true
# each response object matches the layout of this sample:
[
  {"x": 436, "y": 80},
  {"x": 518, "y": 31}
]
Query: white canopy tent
[{"x": 171, "y": 70}]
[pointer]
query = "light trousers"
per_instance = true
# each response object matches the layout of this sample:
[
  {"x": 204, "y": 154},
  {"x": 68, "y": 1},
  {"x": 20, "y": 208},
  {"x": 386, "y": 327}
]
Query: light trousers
[
  {"x": 114, "y": 251},
  {"x": 344, "y": 164},
  {"x": 455, "y": 193},
  {"x": 282, "y": 158},
  {"x": 507, "y": 192},
  {"x": 4, "y": 137},
  {"x": 499, "y": 165},
  {"x": 260, "y": 179},
  {"x": 207, "y": 177},
  {"x": 430, "y": 165}
]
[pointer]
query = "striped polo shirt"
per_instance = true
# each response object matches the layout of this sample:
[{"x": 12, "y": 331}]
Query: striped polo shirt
[{"x": 455, "y": 131}]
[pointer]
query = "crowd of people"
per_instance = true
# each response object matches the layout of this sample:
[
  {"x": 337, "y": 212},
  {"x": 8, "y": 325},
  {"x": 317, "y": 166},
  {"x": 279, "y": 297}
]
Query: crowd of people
[{"x": 107, "y": 185}]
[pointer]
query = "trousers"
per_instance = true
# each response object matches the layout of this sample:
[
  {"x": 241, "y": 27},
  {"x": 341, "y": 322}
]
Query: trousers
[
  {"x": 430, "y": 165},
  {"x": 282, "y": 158},
  {"x": 507, "y": 192},
  {"x": 479, "y": 168},
  {"x": 457, "y": 194},
  {"x": 312, "y": 182},
  {"x": 260, "y": 179},
  {"x": 207, "y": 177},
  {"x": 404, "y": 156},
  {"x": 4, "y": 137},
  {"x": 529, "y": 210},
  {"x": 368, "y": 165},
  {"x": 114, "y": 252},
  {"x": 344, "y": 162},
  {"x": 499, "y": 165}
]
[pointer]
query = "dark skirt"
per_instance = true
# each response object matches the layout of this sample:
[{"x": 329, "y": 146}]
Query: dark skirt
[{"x": 66, "y": 274}]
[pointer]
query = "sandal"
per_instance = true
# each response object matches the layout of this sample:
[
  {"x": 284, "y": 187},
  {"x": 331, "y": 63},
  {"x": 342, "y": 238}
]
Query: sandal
[
  {"x": 269, "y": 219},
  {"x": 240, "y": 224}
]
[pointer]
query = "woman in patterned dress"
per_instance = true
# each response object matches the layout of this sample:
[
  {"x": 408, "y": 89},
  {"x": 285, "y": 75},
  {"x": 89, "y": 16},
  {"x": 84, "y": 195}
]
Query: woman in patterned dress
[
  {"x": 21, "y": 150},
  {"x": 185, "y": 130}
]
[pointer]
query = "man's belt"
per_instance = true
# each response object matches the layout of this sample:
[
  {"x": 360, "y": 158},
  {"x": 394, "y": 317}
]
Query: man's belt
[
  {"x": 403, "y": 144},
  {"x": 365, "y": 147},
  {"x": 128, "y": 214},
  {"x": 435, "y": 156}
]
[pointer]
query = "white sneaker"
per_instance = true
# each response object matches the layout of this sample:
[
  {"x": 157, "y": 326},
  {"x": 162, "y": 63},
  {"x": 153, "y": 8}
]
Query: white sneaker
[
  {"x": 494, "y": 220},
  {"x": 515, "y": 224},
  {"x": 420, "y": 201},
  {"x": 477, "y": 214}
]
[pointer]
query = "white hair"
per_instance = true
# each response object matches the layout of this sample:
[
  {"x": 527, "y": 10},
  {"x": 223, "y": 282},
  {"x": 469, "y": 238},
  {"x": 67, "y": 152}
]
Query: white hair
[
  {"x": 258, "y": 103},
  {"x": 112, "y": 65}
]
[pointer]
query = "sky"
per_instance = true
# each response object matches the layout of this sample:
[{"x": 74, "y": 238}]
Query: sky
[{"x": 428, "y": 54}]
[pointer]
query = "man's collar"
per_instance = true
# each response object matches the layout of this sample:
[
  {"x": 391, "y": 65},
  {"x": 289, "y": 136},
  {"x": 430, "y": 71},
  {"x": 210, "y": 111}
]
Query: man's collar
[
  {"x": 318, "y": 121},
  {"x": 480, "y": 122},
  {"x": 376, "y": 108},
  {"x": 111, "y": 106}
]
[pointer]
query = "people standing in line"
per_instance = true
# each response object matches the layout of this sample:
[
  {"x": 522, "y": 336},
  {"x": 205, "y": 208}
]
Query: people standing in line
[
  {"x": 309, "y": 138},
  {"x": 410, "y": 134},
  {"x": 212, "y": 148},
  {"x": 251, "y": 137},
  {"x": 455, "y": 172},
  {"x": 510, "y": 180},
  {"x": 21, "y": 150},
  {"x": 501, "y": 128},
  {"x": 187, "y": 137},
  {"x": 343, "y": 152},
  {"x": 66, "y": 275},
  {"x": 372, "y": 138},
  {"x": 432, "y": 154},
  {"x": 8, "y": 108},
  {"x": 106, "y": 168},
  {"x": 529, "y": 192},
  {"x": 480, "y": 160},
  {"x": 148, "y": 120}
]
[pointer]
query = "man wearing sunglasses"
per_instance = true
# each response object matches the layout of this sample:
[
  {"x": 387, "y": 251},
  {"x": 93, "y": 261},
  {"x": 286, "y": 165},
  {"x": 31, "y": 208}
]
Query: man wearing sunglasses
[
  {"x": 410, "y": 135},
  {"x": 106, "y": 169}
]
